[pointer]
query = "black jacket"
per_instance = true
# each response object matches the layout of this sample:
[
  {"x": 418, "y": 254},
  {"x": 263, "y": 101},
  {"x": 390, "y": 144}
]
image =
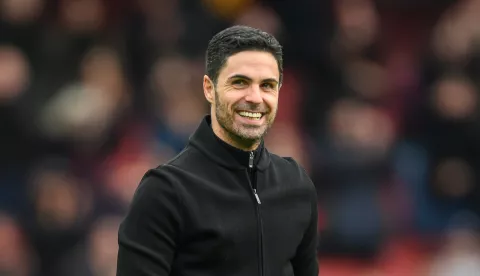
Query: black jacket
[{"x": 207, "y": 212}]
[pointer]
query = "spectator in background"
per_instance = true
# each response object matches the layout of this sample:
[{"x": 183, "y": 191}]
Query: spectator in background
[
  {"x": 61, "y": 213},
  {"x": 16, "y": 257},
  {"x": 354, "y": 165},
  {"x": 459, "y": 254},
  {"x": 174, "y": 79},
  {"x": 98, "y": 256}
]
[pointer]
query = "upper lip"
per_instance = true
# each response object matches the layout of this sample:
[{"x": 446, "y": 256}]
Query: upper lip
[{"x": 251, "y": 111}]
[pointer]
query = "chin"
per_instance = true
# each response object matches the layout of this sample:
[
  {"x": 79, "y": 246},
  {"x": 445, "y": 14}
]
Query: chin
[{"x": 246, "y": 133}]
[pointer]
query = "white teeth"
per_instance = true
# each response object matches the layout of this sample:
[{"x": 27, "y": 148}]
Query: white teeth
[{"x": 252, "y": 115}]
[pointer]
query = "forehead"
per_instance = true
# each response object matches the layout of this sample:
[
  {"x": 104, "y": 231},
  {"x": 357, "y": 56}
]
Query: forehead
[{"x": 253, "y": 64}]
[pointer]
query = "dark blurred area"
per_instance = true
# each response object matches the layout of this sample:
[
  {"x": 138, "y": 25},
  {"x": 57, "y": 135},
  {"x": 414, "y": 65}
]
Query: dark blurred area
[{"x": 380, "y": 104}]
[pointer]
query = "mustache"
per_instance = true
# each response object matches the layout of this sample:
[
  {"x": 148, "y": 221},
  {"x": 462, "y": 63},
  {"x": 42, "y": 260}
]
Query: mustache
[{"x": 252, "y": 107}]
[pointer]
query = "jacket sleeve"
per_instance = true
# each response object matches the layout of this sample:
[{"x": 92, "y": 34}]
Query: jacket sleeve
[
  {"x": 147, "y": 236},
  {"x": 305, "y": 262}
]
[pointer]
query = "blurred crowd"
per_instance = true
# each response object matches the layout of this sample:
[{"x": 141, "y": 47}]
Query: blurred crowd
[{"x": 380, "y": 104}]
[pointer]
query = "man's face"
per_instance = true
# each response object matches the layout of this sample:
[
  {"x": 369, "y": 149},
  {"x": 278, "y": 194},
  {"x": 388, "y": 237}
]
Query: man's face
[{"x": 246, "y": 96}]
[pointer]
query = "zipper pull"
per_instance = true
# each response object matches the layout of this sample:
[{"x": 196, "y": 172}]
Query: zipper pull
[
  {"x": 256, "y": 196},
  {"x": 250, "y": 160}
]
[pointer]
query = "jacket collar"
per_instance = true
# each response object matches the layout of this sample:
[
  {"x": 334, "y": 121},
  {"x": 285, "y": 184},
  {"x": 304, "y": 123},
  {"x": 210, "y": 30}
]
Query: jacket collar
[{"x": 205, "y": 140}]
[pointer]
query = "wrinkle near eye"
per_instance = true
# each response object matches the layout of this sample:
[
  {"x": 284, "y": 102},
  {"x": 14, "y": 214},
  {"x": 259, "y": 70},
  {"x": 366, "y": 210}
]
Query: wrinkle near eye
[{"x": 239, "y": 83}]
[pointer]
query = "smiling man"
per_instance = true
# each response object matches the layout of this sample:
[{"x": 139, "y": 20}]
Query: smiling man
[{"x": 225, "y": 205}]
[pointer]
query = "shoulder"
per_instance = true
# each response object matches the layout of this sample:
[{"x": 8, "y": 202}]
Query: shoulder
[
  {"x": 166, "y": 177},
  {"x": 155, "y": 182},
  {"x": 288, "y": 165},
  {"x": 156, "y": 203},
  {"x": 290, "y": 171},
  {"x": 185, "y": 161}
]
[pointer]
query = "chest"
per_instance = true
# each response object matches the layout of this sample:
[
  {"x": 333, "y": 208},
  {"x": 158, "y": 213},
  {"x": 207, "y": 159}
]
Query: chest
[{"x": 227, "y": 223}]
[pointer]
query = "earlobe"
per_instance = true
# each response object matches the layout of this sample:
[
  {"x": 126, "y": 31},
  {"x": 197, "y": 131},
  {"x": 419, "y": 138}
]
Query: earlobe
[{"x": 208, "y": 89}]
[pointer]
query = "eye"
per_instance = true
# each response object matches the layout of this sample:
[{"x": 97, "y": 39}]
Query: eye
[
  {"x": 268, "y": 86},
  {"x": 239, "y": 83}
]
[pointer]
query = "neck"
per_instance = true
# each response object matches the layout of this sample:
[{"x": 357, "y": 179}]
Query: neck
[{"x": 234, "y": 141}]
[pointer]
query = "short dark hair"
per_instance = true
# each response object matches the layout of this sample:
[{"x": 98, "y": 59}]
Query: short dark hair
[{"x": 237, "y": 39}]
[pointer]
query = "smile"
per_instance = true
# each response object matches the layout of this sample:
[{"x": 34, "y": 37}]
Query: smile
[{"x": 251, "y": 115}]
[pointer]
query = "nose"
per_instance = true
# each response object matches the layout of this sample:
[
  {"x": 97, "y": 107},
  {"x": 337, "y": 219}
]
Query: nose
[{"x": 254, "y": 95}]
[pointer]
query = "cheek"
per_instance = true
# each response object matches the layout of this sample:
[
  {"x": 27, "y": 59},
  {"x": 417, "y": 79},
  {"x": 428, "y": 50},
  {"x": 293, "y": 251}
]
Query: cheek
[
  {"x": 271, "y": 100},
  {"x": 230, "y": 100}
]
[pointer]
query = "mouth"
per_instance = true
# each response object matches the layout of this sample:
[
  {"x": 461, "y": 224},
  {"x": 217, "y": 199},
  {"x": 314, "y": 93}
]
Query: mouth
[{"x": 251, "y": 115}]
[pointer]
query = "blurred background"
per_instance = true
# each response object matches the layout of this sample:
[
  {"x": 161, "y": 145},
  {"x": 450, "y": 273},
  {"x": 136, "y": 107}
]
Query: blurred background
[{"x": 380, "y": 104}]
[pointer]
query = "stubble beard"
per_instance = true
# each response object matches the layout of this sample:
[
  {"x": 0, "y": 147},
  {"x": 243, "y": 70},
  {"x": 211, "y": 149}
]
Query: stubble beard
[{"x": 241, "y": 133}]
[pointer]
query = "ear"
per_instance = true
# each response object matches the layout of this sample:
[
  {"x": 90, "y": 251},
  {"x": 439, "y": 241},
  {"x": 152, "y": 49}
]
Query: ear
[{"x": 208, "y": 89}]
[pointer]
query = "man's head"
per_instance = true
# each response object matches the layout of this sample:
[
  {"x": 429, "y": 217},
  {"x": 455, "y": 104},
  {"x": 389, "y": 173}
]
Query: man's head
[{"x": 244, "y": 74}]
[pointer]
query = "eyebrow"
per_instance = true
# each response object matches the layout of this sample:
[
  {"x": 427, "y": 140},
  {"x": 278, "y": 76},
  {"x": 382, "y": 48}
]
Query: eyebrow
[{"x": 240, "y": 76}]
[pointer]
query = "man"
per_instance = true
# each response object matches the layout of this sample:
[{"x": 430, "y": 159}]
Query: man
[{"x": 225, "y": 205}]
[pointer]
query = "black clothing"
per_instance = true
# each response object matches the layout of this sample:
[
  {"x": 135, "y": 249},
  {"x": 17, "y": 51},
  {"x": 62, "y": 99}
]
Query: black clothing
[
  {"x": 241, "y": 156},
  {"x": 205, "y": 213}
]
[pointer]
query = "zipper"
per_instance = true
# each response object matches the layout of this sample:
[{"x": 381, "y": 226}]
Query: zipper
[
  {"x": 250, "y": 160},
  {"x": 253, "y": 184}
]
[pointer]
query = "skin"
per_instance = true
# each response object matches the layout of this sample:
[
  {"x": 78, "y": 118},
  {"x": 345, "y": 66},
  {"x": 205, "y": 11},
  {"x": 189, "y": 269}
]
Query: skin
[{"x": 249, "y": 81}]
